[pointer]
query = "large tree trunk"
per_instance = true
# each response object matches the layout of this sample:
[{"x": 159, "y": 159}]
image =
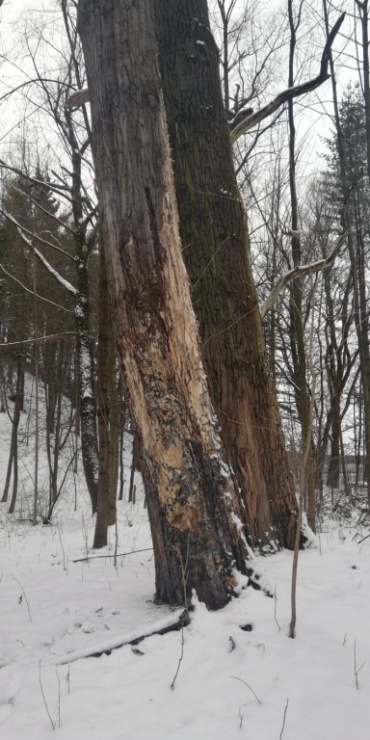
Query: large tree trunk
[
  {"x": 216, "y": 251},
  {"x": 192, "y": 503}
]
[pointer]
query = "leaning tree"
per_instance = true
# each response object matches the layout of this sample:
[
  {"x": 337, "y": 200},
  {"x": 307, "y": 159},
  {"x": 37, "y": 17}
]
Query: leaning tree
[
  {"x": 193, "y": 503},
  {"x": 215, "y": 242}
]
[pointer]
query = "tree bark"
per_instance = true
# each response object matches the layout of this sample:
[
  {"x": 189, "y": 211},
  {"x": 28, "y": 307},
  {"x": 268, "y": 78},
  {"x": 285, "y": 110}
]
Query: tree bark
[
  {"x": 103, "y": 514},
  {"x": 114, "y": 420},
  {"x": 216, "y": 252},
  {"x": 334, "y": 461},
  {"x": 192, "y": 502},
  {"x": 85, "y": 344},
  {"x": 13, "y": 452}
]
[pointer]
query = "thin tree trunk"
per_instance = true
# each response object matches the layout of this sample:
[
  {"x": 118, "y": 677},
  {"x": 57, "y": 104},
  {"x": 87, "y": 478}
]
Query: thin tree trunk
[
  {"x": 18, "y": 405},
  {"x": 121, "y": 462},
  {"x": 134, "y": 464},
  {"x": 85, "y": 343},
  {"x": 103, "y": 405},
  {"x": 37, "y": 430},
  {"x": 297, "y": 339},
  {"x": 113, "y": 421},
  {"x": 216, "y": 252},
  {"x": 346, "y": 484},
  {"x": 334, "y": 461}
]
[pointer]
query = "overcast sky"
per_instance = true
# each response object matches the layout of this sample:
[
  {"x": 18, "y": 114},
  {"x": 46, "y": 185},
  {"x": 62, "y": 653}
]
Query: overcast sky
[{"x": 15, "y": 15}]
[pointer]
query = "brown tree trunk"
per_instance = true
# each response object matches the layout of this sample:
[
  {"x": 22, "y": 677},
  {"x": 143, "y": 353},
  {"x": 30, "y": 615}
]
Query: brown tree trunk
[
  {"x": 103, "y": 514},
  {"x": 134, "y": 467},
  {"x": 297, "y": 338},
  {"x": 334, "y": 461},
  {"x": 192, "y": 503},
  {"x": 13, "y": 456},
  {"x": 216, "y": 252},
  {"x": 114, "y": 416}
]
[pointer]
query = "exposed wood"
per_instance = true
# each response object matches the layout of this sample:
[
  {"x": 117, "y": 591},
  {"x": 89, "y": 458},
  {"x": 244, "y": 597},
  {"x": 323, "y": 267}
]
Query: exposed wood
[
  {"x": 216, "y": 252},
  {"x": 81, "y": 97},
  {"x": 192, "y": 503}
]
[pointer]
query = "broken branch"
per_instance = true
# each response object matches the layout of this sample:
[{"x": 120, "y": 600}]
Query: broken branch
[{"x": 239, "y": 127}]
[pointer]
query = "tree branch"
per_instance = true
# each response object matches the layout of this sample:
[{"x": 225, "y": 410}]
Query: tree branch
[
  {"x": 170, "y": 623},
  {"x": 40, "y": 297},
  {"x": 52, "y": 186},
  {"x": 239, "y": 127},
  {"x": 47, "y": 213},
  {"x": 46, "y": 338},
  {"x": 299, "y": 272},
  {"x": 61, "y": 280}
]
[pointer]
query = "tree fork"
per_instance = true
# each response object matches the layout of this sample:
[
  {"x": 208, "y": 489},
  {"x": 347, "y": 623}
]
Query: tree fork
[{"x": 192, "y": 501}]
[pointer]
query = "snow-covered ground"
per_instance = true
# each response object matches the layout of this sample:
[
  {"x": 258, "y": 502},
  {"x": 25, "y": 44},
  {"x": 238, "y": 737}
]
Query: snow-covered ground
[{"x": 232, "y": 683}]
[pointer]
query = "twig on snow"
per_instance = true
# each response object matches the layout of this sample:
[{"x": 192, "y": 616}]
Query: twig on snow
[
  {"x": 357, "y": 670},
  {"x": 248, "y": 687},
  {"x": 115, "y": 555},
  {"x": 24, "y": 594},
  {"x": 44, "y": 697},
  {"x": 284, "y": 718}
]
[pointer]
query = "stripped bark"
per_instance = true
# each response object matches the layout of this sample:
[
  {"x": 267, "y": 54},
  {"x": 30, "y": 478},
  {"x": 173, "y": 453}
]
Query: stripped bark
[
  {"x": 216, "y": 252},
  {"x": 192, "y": 502}
]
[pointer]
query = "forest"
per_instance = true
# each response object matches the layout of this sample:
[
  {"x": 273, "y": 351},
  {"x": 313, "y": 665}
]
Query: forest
[{"x": 184, "y": 369}]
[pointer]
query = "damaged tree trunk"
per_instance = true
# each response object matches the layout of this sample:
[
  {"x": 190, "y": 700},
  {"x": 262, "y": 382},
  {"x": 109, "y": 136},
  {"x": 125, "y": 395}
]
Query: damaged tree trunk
[
  {"x": 192, "y": 502},
  {"x": 216, "y": 252}
]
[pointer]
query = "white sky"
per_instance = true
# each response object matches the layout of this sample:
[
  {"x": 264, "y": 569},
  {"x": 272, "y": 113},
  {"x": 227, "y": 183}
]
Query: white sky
[{"x": 16, "y": 14}]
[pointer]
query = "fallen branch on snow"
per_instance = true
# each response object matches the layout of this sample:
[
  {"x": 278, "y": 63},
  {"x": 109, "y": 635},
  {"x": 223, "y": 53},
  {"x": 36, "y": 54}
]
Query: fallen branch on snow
[
  {"x": 171, "y": 623},
  {"x": 113, "y": 555}
]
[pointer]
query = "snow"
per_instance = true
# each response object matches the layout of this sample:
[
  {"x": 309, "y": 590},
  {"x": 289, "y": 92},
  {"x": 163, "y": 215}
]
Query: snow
[
  {"x": 232, "y": 682},
  {"x": 23, "y": 234},
  {"x": 58, "y": 277}
]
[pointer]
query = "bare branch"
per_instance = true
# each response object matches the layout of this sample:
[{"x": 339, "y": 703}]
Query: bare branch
[
  {"x": 35, "y": 236},
  {"x": 61, "y": 280},
  {"x": 52, "y": 186},
  {"x": 47, "y": 213},
  {"x": 239, "y": 127},
  {"x": 299, "y": 272},
  {"x": 36, "y": 295},
  {"x": 46, "y": 338}
]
